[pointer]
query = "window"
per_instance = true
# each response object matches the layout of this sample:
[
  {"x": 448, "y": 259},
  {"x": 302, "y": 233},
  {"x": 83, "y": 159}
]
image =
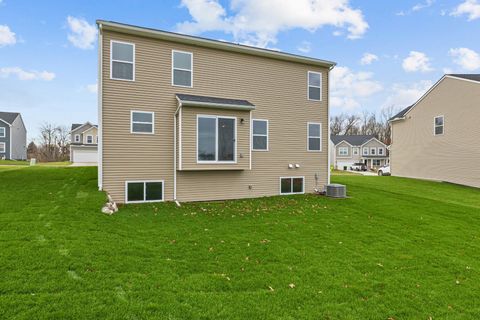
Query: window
[
  {"x": 77, "y": 138},
  {"x": 2, "y": 132},
  {"x": 376, "y": 162},
  {"x": 182, "y": 70},
  {"x": 355, "y": 151},
  {"x": 373, "y": 151},
  {"x": 89, "y": 139},
  {"x": 438, "y": 125},
  {"x": 380, "y": 151},
  {"x": 144, "y": 191},
  {"x": 216, "y": 139},
  {"x": 365, "y": 151},
  {"x": 291, "y": 185},
  {"x": 260, "y": 135},
  {"x": 314, "y": 134},
  {"x": 314, "y": 86},
  {"x": 122, "y": 61},
  {"x": 142, "y": 122},
  {"x": 2, "y": 147},
  {"x": 343, "y": 151}
]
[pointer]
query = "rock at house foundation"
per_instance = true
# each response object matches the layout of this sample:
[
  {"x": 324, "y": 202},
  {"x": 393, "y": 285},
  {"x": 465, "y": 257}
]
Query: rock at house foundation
[
  {"x": 107, "y": 210},
  {"x": 110, "y": 207}
]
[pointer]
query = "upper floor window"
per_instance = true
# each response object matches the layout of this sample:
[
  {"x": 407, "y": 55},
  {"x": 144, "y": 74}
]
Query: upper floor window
[
  {"x": 314, "y": 136},
  {"x": 77, "y": 138},
  {"x": 89, "y": 139},
  {"x": 365, "y": 151},
  {"x": 260, "y": 135},
  {"x": 343, "y": 151},
  {"x": 2, "y": 147},
  {"x": 355, "y": 151},
  {"x": 314, "y": 86},
  {"x": 373, "y": 151},
  {"x": 142, "y": 122},
  {"x": 438, "y": 125},
  {"x": 2, "y": 132},
  {"x": 216, "y": 139},
  {"x": 122, "y": 61},
  {"x": 182, "y": 69},
  {"x": 380, "y": 151}
]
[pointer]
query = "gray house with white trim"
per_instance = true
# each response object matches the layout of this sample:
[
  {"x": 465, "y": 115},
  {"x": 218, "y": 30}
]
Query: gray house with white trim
[
  {"x": 345, "y": 150},
  {"x": 13, "y": 136}
]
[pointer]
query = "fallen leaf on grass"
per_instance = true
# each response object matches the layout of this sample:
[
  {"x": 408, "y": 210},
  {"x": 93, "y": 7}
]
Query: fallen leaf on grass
[
  {"x": 271, "y": 289},
  {"x": 291, "y": 285}
]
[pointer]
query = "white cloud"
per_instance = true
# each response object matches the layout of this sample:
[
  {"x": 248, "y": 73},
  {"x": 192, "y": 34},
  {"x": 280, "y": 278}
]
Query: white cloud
[
  {"x": 368, "y": 58},
  {"x": 82, "y": 34},
  {"x": 402, "y": 96},
  {"x": 468, "y": 7},
  {"x": 417, "y": 61},
  {"x": 349, "y": 88},
  {"x": 258, "y": 22},
  {"x": 92, "y": 88},
  {"x": 465, "y": 58},
  {"x": 26, "y": 75},
  {"x": 305, "y": 47},
  {"x": 7, "y": 37},
  {"x": 423, "y": 5}
]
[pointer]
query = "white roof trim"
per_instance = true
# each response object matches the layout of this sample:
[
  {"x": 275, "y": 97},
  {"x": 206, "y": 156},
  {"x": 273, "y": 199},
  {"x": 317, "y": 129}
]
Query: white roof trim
[
  {"x": 6, "y": 122},
  {"x": 351, "y": 145},
  {"x": 373, "y": 139},
  {"x": 92, "y": 127},
  {"x": 431, "y": 89},
  {"x": 81, "y": 126},
  {"x": 220, "y": 45}
]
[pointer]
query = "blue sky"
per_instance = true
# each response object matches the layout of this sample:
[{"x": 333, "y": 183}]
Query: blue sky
[{"x": 48, "y": 57}]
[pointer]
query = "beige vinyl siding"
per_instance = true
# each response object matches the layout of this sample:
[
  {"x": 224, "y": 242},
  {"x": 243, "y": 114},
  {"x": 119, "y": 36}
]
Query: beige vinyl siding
[
  {"x": 416, "y": 152},
  {"x": 278, "y": 89}
]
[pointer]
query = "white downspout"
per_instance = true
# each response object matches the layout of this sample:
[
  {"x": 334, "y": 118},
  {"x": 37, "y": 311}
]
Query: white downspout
[
  {"x": 100, "y": 106},
  {"x": 175, "y": 154},
  {"x": 328, "y": 128}
]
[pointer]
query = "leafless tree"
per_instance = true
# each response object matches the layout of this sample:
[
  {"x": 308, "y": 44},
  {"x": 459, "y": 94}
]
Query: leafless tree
[{"x": 53, "y": 143}]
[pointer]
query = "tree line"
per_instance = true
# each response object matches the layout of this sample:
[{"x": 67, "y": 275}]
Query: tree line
[
  {"x": 365, "y": 123},
  {"x": 53, "y": 144}
]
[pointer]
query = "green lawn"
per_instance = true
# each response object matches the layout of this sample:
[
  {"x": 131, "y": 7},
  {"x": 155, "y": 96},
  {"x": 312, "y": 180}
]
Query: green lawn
[
  {"x": 396, "y": 249},
  {"x": 27, "y": 163}
]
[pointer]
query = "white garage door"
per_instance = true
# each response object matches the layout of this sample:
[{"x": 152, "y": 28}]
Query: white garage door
[
  {"x": 341, "y": 164},
  {"x": 85, "y": 156}
]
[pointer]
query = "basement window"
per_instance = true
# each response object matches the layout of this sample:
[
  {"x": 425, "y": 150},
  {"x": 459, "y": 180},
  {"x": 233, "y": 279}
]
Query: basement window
[
  {"x": 438, "y": 125},
  {"x": 292, "y": 185},
  {"x": 144, "y": 191},
  {"x": 122, "y": 61}
]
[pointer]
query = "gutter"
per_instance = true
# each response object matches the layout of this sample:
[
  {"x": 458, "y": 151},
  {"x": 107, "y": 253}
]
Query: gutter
[
  {"x": 100, "y": 106},
  {"x": 175, "y": 152}
]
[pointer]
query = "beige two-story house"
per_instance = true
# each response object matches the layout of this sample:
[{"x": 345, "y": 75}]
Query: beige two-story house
[
  {"x": 346, "y": 150},
  {"x": 84, "y": 143},
  {"x": 191, "y": 119},
  {"x": 437, "y": 137}
]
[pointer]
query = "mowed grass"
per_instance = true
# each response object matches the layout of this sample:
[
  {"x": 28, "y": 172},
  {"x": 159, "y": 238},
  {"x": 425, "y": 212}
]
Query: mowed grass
[{"x": 396, "y": 249}]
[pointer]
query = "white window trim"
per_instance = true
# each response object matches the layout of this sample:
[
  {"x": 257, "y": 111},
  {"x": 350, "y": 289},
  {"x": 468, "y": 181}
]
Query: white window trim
[
  {"x": 4, "y": 134},
  {"x": 86, "y": 140},
  {"x": 144, "y": 190},
  {"x": 319, "y": 137},
  {"x": 363, "y": 151},
  {"x": 260, "y": 135},
  {"x": 381, "y": 149},
  {"x": 355, "y": 151},
  {"x": 216, "y": 161},
  {"x": 122, "y": 61},
  {"x": 191, "y": 71},
  {"x": 4, "y": 147},
  {"x": 435, "y": 125},
  {"x": 142, "y": 122},
  {"x": 77, "y": 140},
  {"x": 379, "y": 162},
  {"x": 340, "y": 154},
  {"x": 295, "y": 177},
  {"x": 374, "y": 153},
  {"x": 308, "y": 85}
]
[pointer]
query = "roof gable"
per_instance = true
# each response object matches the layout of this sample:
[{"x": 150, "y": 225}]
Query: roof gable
[
  {"x": 354, "y": 140},
  {"x": 9, "y": 117}
]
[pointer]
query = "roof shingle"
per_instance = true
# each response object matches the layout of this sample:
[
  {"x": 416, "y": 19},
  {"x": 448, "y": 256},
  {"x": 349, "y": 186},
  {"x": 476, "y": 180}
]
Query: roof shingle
[
  {"x": 354, "y": 140},
  {"x": 9, "y": 117}
]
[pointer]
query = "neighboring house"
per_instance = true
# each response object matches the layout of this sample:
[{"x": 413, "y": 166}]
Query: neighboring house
[
  {"x": 84, "y": 143},
  {"x": 191, "y": 119},
  {"x": 345, "y": 150},
  {"x": 13, "y": 136},
  {"x": 437, "y": 138}
]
